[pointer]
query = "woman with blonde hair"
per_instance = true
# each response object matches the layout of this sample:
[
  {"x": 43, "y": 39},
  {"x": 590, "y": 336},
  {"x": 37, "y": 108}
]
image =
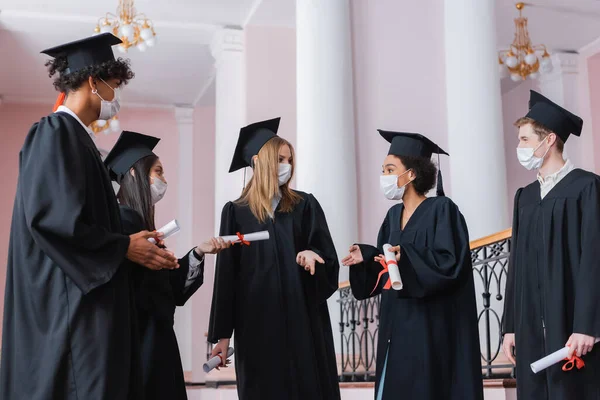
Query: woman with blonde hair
[{"x": 273, "y": 293}]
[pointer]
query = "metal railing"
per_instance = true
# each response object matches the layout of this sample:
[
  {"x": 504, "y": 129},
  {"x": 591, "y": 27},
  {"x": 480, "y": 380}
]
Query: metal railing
[{"x": 359, "y": 319}]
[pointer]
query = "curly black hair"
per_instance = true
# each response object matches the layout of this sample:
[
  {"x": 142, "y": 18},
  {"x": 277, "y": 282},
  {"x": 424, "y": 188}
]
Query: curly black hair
[
  {"x": 424, "y": 169},
  {"x": 117, "y": 69}
]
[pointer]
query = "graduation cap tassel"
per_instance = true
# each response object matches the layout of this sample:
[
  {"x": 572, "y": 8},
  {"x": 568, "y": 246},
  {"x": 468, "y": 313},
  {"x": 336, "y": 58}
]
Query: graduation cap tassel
[
  {"x": 59, "y": 101},
  {"x": 440, "y": 183}
]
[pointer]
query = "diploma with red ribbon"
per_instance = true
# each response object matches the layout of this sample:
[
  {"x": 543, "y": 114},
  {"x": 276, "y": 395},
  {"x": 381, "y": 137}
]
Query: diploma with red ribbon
[
  {"x": 216, "y": 361},
  {"x": 390, "y": 265},
  {"x": 246, "y": 239},
  {"x": 556, "y": 357}
]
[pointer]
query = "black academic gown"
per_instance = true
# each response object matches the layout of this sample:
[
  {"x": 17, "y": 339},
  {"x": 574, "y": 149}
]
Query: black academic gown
[
  {"x": 283, "y": 337},
  {"x": 552, "y": 287},
  {"x": 429, "y": 328},
  {"x": 157, "y": 293},
  {"x": 67, "y": 309}
]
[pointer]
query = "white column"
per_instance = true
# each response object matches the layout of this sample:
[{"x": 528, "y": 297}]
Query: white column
[
  {"x": 326, "y": 162},
  {"x": 230, "y": 83},
  {"x": 474, "y": 106},
  {"x": 185, "y": 178},
  {"x": 561, "y": 86},
  {"x": 227, "y": 48}
]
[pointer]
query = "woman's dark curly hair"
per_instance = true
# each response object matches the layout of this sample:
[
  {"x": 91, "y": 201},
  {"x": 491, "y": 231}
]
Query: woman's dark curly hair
[
  {"x": 425, "y": 171},
  {"x": 117, "y": 69}
]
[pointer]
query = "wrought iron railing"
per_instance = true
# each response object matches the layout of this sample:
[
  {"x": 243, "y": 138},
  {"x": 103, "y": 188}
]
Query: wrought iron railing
[{"x": 359, "y": 319}]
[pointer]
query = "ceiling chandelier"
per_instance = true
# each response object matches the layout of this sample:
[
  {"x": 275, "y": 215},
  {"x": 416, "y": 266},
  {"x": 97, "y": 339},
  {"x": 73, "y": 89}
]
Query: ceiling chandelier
[
  {"x": 522, "y": 59},
  {"x": 101, "y": 125},
  {"x": 135, "y": 30}
]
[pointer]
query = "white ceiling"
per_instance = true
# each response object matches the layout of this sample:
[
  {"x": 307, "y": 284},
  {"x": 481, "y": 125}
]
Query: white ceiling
[{"x": 179, "y": 70}]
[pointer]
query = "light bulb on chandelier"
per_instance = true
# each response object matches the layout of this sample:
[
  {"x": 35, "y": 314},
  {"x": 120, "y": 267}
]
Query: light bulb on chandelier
[
  {"x": 135, "y": 30},
  {"x": 522, "y": 59}
]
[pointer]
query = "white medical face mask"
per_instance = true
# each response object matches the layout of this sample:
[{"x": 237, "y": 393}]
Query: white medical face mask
[
  {"x": 109, "y": 109},
  {"x": 284, "y": 174},
  {"x": 158, "y": 189},
  {"x": 389, "y": 186},
  {"x": 528, "y": 159}
]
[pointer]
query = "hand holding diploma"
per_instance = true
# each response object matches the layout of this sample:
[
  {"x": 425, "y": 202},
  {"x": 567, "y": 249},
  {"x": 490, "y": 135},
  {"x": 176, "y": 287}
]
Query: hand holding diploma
[
  {"x": 574, "y": 345},
  {"x": 221, "y": 348},
  {"x": 247, "y": 238},
  {"x": 389, "y": 261},
  {"x": 168, "y": 230},
  {"x": 217, "y": 361}
]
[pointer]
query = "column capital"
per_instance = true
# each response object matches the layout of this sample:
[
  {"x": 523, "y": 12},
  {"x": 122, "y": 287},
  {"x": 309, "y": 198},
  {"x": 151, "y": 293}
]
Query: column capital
[
  {"x": 227, "y": 40},
  {"x": 184, "y": 114},
  {"x": 562, "y": 63}
]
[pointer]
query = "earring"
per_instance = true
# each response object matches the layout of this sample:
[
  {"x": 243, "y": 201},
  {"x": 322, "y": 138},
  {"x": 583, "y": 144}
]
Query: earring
[{"x": 94, "y": 91}]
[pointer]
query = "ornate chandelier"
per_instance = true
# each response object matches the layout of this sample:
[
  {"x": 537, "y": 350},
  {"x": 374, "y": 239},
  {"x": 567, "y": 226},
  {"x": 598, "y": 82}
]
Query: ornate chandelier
[
  {"x": 135, "y": 30},
  {"x": 522, "y": 59}
]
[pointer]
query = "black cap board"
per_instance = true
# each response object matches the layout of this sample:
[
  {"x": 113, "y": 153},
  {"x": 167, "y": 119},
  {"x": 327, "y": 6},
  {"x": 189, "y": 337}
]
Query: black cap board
[
  {"x": 252, "y": 138},
  {"x": 129, "y": 149},
  {"x": 87, "y": 52},
  {"x": 414, "y": 145},
  {"x": 553, "y": 117}
]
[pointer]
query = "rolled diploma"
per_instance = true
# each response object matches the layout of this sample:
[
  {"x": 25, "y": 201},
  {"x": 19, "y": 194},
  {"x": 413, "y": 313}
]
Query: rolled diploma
[
  {"x": 393, "y": 271},
  {"x": 250, "y": 237},
  {"x": 215, "y": 361},
  {"x": 168, "y": 230},
  {"x": 552, "y": 359}
]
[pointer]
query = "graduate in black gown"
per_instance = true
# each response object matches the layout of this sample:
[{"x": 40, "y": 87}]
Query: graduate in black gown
[
  {"x": 140, "y": 175},
  {"x": 68, "y": 311},
  {"x": 428, "y": 343},
  {"x": 272, "y": 294},
  {"x": 552, "y": 296}
]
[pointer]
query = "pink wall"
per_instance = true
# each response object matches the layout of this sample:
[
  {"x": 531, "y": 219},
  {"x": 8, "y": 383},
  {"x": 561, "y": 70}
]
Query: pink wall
[
  {"x": 514, "y": 106},
  {"x": 16, "y": 119},
  {"x": 271, "y": 77},
  {"x": 593, "y": 64},
  {"x": 399, "y": 85}
]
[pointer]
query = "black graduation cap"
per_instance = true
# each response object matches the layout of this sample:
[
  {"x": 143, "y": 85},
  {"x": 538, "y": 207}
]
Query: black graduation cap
[
  {"x": 554, "y": 117},
  {"x": 414, "y": 145},
  {"x": 252, "y": 138},
  {"x": 130, "y": 148},
  {"x": 87, "y": 52}
]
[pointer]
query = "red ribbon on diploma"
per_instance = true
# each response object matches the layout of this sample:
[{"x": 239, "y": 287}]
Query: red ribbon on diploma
[
  {"x": 242, "y": 240},
  {"x": 573, "y": 362},
  {"x": 385, "y": 269}
]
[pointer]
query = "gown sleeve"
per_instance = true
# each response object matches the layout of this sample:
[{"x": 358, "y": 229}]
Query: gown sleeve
[
  {"x": 429, "y": 270},
  {"x": 508, "y": 317},
  {"x": 178, "y": 278},
  {"x": 223, "y": 301},
  {"x": 319, "y": 240},
  {"x": 586, "y": 318},
  {"x": 363, "y": 276},
  {"x": 53, "y": 180}
]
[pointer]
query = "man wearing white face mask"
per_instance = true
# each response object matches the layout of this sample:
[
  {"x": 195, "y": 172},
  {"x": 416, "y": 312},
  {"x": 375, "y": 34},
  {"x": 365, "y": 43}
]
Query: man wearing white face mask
[
  {"x": 68, "y": 311},
  {"x": 552, "y": 298}
]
